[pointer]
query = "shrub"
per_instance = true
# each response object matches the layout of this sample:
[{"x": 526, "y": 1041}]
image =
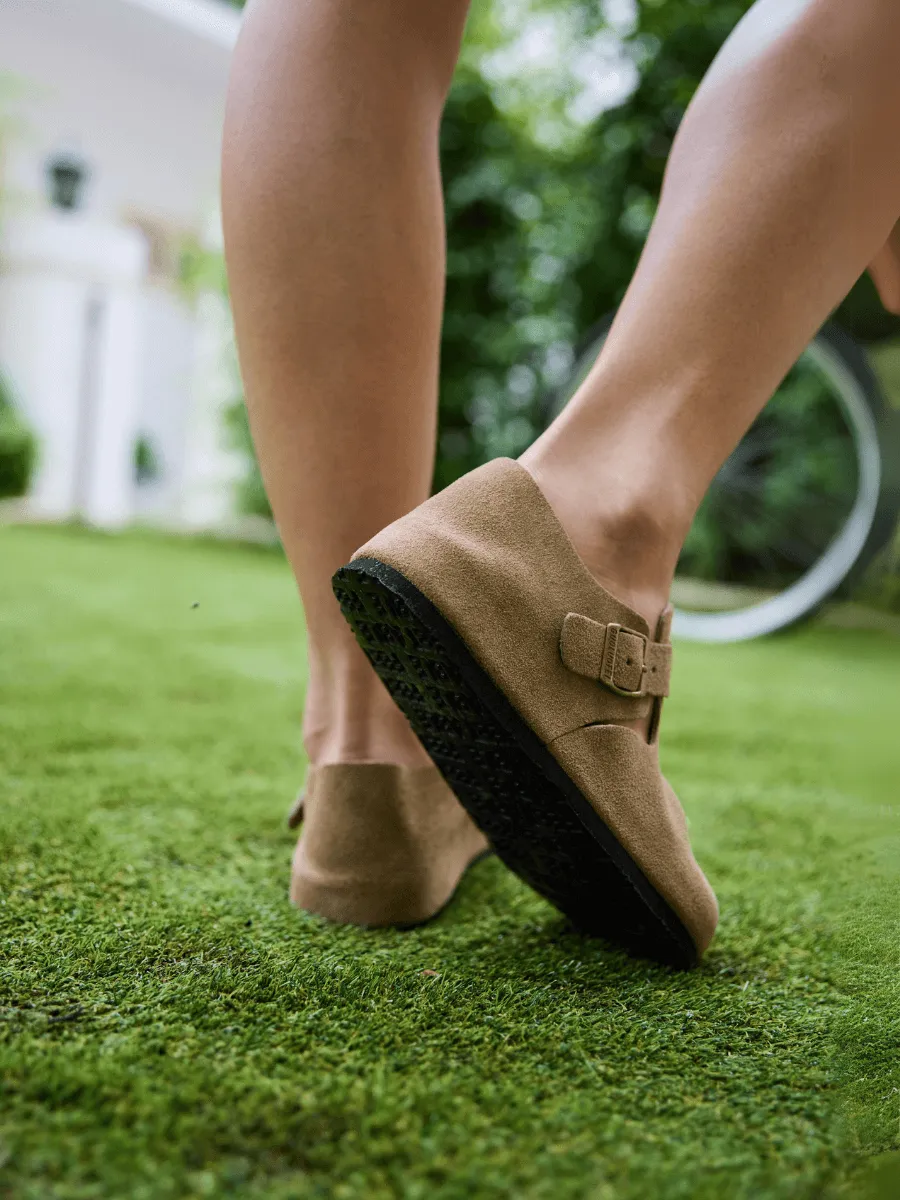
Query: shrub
[
  {"x": 146, "y": 464},
  {"x": 18, "y": 449},
  {"x": 252, "y": 498}
]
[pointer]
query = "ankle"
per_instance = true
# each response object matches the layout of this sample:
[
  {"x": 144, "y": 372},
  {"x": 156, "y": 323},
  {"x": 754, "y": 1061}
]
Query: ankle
[
  {"x": 370, "y": 745},
  {"x": 629, "y": 537},
  {"x": 351, "y": 718},
  {"x": 630, "y": 552}
]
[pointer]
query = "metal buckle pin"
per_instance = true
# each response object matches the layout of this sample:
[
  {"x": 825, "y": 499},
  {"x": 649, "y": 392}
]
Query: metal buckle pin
[{"x": 610, "y": 654}]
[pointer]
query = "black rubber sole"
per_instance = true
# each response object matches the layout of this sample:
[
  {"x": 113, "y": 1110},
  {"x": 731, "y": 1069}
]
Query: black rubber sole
[{"x": 535, "y": 817}]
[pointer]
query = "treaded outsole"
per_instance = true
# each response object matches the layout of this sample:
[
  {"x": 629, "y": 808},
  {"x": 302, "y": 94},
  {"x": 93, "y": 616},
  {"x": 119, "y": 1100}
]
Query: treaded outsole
[{"x": 533, "y": 814}]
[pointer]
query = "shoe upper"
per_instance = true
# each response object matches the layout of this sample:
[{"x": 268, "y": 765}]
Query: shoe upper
[{"x": 491, "y": 555}]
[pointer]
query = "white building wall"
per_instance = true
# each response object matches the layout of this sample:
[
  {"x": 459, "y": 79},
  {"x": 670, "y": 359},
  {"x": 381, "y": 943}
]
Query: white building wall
[
  {"x": 136, "y": 88},
  {"x": 139, "y": 97},
  {"x": 70, "y": 333},
  {"x": 164, "y": 419}
]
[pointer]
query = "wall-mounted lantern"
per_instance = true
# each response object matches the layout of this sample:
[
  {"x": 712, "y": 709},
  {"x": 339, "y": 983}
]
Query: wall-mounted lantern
[{"x": 67, "y": 175}]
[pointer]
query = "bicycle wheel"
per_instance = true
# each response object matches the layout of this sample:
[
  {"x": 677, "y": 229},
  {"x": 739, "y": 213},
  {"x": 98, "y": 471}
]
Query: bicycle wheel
[{"x": 798, "y": 510}]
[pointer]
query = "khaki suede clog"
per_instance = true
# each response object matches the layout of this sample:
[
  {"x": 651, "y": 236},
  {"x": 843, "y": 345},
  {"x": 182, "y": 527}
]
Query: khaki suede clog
[
  {"x": 381, "y": 844},
  {"x": 513, "y": 666}
]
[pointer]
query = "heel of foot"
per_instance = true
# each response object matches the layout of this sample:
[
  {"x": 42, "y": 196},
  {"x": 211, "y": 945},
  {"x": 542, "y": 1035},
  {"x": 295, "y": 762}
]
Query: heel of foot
[{"x": 382, "y": 844}]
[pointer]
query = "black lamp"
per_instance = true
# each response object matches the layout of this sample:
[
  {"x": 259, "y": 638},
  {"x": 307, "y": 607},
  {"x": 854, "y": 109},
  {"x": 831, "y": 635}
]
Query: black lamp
[{"x": 66, "y": 176}]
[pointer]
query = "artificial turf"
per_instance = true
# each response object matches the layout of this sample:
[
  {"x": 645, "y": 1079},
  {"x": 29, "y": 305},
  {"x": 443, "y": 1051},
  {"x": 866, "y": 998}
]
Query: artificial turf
[{"x": 171, "y": 1027}]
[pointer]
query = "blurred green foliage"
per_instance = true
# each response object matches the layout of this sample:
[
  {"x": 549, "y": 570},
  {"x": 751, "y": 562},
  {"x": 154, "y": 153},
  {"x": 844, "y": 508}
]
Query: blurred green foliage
[
  {"x": 145, "y": 461},
  {"x": 251, "y": 498},
  {"x": 18, "y": 449},
  {"x": 776, "y": 504},
  {"x": 544, "y": 238},
  {"x": 507, "y": 249},
  {"x": 18, "y": 442}
]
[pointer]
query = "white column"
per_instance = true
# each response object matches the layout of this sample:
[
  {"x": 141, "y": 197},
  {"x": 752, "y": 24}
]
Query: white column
[
  {"x": 108, "y": 494},
  {"x": 212, "y": 467},
  {"x": 69, "y": 330}
]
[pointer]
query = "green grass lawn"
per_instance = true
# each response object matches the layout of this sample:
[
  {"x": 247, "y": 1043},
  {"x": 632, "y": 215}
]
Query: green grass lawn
[{"x": 171, "y": 1027}]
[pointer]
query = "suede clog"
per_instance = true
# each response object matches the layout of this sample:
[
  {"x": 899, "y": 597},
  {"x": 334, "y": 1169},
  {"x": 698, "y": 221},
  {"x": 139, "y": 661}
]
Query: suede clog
[
  {"x": 514, "y": 666},
  {"x": 381, "y": 844}
]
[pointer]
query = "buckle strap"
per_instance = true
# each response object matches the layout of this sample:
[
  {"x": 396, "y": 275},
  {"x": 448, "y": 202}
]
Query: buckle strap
[{"x": 622, "y": 659}]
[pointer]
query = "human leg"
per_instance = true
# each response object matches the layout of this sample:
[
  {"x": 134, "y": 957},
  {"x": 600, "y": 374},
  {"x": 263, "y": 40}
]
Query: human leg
[{"x": 335, "y": 247}]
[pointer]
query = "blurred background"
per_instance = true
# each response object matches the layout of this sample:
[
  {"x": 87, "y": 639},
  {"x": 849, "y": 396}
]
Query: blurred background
[{"x": 119, "y": 393}]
